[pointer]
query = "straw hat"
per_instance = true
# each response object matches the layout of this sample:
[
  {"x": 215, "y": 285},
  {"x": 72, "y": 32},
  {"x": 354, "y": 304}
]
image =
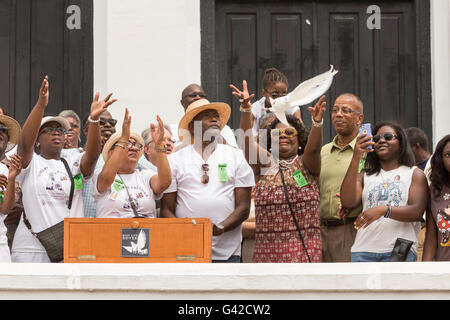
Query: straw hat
[
  {"x": 200, "y": 105},
  {"x": 62, "y": 121},
  {"x": 115, "y": 138},
  {"x": 13, "y": 131}
]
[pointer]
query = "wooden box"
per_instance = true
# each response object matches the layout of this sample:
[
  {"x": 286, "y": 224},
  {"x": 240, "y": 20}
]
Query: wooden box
[{"x": 110, "y": 240}]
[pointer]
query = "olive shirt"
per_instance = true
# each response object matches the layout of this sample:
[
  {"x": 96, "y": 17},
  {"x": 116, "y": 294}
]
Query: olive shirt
[{"x": 334, "y": 165}]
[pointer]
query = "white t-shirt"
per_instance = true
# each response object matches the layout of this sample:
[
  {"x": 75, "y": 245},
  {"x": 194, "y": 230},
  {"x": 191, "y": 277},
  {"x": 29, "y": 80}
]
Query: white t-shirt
[
  {"x": 214, "y": 200},
  {"x": 3, "y": 239},
  {"x": 258, "y": 112},
  {"x": 45, "y": 188},
  {"x": 387, "y": 187},
  {"x": 116, "y": 204}
]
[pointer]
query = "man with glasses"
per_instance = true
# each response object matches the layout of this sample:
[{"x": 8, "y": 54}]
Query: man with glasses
[
  {"x": 210, "y": 179},
  {"x": 190, "y": 94},
  {"x": 336, "y": 223}
]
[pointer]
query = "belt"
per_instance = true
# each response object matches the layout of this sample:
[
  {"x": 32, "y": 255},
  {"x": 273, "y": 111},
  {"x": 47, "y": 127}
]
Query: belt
[{"x": 336, "y": 222}]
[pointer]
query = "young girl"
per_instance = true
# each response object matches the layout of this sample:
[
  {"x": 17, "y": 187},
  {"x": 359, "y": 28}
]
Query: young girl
[
  {"x": 274, "y": 85},
  {"x": 437, "y": 240}
]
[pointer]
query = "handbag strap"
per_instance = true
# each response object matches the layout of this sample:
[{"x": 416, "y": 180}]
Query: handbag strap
[
  {"x": 132, "y": 204},
  {"x": 72, "y": 187},
  {"x": 293, "y": 214},
  {"x": 72, "y": 183}
]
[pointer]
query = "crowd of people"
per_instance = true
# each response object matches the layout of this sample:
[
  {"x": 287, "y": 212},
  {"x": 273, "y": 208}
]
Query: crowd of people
[{"x": 363, "y": 197}]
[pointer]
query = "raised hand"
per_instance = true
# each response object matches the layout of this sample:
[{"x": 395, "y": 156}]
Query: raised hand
[
  {"x": 318, "y": 110},
  {"x": 97, "y": 107},
  {"x": 243, "y": 96},
  {"x": 157, "y": 133},
  {"x": 126, "y": 127},
  {"x": 44, "y": 93},
  {"x": 15, "y": 167},
  {"x": 362, "y": 142}
]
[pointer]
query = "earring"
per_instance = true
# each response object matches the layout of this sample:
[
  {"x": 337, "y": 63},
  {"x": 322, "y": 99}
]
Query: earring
[{"x": 300, "y": 148}]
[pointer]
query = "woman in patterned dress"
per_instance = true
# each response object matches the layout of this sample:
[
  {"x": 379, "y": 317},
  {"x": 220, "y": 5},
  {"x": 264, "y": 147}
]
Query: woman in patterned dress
[{"x": 292, "y": 156}]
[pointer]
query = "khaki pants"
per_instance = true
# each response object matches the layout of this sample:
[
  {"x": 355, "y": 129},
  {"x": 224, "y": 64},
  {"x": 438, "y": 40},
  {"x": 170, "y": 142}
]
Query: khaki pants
[{"x": 337, "y": 242}]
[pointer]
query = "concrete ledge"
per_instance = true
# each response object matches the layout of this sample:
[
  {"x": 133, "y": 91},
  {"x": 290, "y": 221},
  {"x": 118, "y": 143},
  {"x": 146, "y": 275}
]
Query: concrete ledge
[{"x": 232, "y": 281}]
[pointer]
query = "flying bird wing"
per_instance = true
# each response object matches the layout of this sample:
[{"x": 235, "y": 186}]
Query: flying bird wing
[
  {"x": 141, "y": 240},
  {"x": 281, "y": 116},
  {"x": 311, "y": 89}
]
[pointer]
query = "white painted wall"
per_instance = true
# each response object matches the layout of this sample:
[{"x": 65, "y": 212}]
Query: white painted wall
[
  {"x": 440, "y": 61},
  {"x": 146, "y": 53}
]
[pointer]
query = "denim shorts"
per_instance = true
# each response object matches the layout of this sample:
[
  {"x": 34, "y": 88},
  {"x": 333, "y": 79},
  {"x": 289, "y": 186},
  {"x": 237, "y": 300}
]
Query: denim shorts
[{"x": 378, "y": 257}]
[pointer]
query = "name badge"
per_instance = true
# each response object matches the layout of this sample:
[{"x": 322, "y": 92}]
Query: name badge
[
  {"x": 223, "y": 173},
  {"x": 78, "y": 182},
  {"x": 362, "y": 163},
  {"x": 300, "y": 179},
  {"x": 115, "y": 189}
]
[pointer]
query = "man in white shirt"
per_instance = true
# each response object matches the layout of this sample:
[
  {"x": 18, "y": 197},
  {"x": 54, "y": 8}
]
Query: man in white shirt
[
  {"x": 210, "y": 179},
  {"x": 191, "y": 93}
]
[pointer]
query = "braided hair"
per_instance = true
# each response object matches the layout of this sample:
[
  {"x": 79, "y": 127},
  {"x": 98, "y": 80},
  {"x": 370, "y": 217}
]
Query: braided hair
[{"x": 272, "y": 76}]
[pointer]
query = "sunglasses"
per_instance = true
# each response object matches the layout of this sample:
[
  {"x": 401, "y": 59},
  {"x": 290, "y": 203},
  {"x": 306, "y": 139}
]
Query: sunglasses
[
  {"x": 50, "y": 130},
  {"x": 103, "y": 121},
  {"x": 288, "y": 132},
  {"x": 343, "y": 110},
  {"x": 387, "y": 137},
  {"x": 205, "y": 176},
  {"x": 193, "y": 95}
]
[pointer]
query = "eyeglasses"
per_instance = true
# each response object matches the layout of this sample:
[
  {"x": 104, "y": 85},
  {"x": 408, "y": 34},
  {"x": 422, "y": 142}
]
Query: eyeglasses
[
  {"x": 136, "y": 145},
  {"x": 344, "y": 110},
  {"x": 387, "y": 136},
  {"x": 288, "y": 132},
  {"x": 196, "y": 94},
  {"x": 205, "y": 176},
  {"x": 112, "y": 122},
  {"x": 49, "y": 130},
  {"x": 3, "y": 128}
]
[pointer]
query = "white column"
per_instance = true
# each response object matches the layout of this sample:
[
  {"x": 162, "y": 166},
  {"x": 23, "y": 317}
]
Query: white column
[{"x": 440, "y": 65}]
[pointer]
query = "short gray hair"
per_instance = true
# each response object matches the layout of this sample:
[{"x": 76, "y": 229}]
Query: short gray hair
[
  {"x": 70, "y": 113},
  {"x": 148, "y": 137}
]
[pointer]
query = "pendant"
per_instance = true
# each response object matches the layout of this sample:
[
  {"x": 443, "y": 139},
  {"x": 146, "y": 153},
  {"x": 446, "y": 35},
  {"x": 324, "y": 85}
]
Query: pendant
[{"x": 446, "y": 196}]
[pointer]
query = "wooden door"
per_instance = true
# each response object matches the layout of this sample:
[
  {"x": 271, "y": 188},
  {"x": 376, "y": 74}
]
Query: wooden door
[
  {"x": 35, "y": 41},
  {"x": 389, "y": 68}
]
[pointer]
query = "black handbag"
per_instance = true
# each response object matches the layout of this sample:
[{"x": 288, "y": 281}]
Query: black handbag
[
  {"x": 401, "y": 250},
  {"x": 293, "y": 215},
  {"x": 52, "y": 239}
]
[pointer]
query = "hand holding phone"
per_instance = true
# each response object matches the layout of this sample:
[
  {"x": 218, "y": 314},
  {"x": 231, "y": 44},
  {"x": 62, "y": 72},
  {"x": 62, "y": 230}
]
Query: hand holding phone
[{"x": 366, "y": 129}]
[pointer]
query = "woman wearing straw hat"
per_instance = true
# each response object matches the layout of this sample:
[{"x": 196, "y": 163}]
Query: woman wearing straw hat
[
  {"x": 9, "y": 135},
  {"x": 121, "y": 191},
  {"x": 49, "y": 181}
]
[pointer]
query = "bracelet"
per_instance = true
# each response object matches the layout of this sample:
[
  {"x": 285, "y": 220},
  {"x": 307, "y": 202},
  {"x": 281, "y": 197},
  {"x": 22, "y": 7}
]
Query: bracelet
[
  {"x": 245, "y": 109},
  {"x": 93, "y": 121},
  {"x": 389, "y": 211},
  {"x": 316, "y": 124}
]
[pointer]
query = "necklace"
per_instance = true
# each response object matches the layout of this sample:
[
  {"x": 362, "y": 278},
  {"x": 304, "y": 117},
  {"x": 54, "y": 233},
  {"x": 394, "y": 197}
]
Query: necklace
[{"x": 285, "y": 164}]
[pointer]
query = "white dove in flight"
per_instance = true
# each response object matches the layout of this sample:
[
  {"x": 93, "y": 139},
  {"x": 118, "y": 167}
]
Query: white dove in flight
[
  {"x": 138, "y": 247},
  {"x": 306, "y": 92}
]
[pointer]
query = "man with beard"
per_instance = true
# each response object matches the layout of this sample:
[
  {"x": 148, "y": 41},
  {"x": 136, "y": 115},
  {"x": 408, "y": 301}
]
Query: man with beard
[
  {"x": 336, "y": 223},
  {"x": 210, "y": 179},
  {"x": 107, "y": 129}
]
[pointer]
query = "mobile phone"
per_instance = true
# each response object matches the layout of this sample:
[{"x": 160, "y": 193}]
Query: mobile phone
[{"x": 366, "y": 129}]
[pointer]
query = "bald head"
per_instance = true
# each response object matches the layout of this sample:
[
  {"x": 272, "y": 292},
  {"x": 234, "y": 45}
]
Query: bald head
[
  {"x": 191, "y": 93},
  {"x": 353, "y": 100}
]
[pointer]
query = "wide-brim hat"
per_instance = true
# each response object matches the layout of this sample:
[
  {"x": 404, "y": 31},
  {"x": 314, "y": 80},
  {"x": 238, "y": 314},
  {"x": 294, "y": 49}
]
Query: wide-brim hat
[
  {"x": 13, "y": 131},
  {"x": 115, "y": 138},
  {"x": 200, "y": 105},
  {"x": 62, "y": 121}
]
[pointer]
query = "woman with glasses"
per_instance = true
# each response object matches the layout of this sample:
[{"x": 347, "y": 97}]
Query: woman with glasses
[
  {"x": 437, "y": 239},
  {"x": 120, "y": 190},
  {"x": 392, "y": 191},
  {"x": 49, "y": 181},
  {"x": 286, "y": 196}
]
